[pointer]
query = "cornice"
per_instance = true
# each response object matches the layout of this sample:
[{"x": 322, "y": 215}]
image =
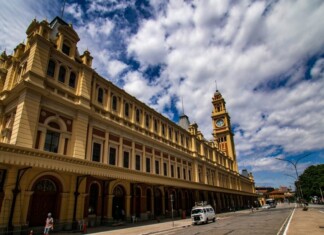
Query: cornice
[{"x": 22, "y": 157}]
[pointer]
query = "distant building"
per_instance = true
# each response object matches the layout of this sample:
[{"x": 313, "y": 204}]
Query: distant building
[
  {"x": 281, "y": 194},
  {"x": 74, "y": 144}
]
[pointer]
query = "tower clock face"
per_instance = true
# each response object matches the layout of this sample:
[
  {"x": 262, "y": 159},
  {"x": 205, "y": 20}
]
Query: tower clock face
[{"x": 219, "y": 122}]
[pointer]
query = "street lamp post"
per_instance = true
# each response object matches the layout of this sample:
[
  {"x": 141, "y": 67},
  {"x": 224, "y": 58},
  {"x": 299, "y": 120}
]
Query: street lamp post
[
  {"x": 296, "y": 183},
  {"x": 295, "y": 166}
]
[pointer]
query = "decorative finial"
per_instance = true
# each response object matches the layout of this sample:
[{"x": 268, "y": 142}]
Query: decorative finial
[
  {"x": 182, "y": 106},
  {"x": 216, "y": 85}
]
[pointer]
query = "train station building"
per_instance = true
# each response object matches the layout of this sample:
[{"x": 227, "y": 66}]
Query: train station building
[{"x": 74, "y": 144}]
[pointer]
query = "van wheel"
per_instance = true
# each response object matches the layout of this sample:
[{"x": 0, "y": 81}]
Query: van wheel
[{"x": 214, "y": 220}]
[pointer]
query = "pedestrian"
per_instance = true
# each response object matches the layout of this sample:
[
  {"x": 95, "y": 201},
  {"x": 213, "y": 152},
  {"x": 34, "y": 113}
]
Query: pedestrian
[{"x": 49, "y": 224}]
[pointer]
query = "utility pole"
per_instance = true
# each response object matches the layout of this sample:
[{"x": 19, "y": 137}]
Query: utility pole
[{"x": 298, "y": 186}]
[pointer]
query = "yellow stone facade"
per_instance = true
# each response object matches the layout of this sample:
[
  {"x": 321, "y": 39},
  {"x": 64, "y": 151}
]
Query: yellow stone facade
[{"x": 74, "y": 144}]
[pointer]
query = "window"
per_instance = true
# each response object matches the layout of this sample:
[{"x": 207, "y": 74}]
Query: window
[
  {"x": 163, "y": 130},
  {"x": 51, "y": 68},
  {"x": 165, "y": 169},
  {"x": 126, "y": 159},
  {"x": 96, "y": 152},
  {"x": 157, "y": 167},
  {"x": 66, "y": 49},
  {"x": 138, "y": 115},
  {"x": 170, "y": 133},
  {"x": 176, "y": 136},
  {"x": 138, "y": 162},
  {"x": 184, "y": 173},
  {"x": 189, "y": 175},
  {"x": 62, "y": 73},
  {"x": 112, "y": 156},
  {"x": 100, "y": 95},
  {"x": 72, "y": 80},
  {"x": 148, "y": 165},
  {"x": 147, "y": 120},
  {"x": 114, "y": 103},
  {"x": 52, "y": 141},
  {"x": 126, "y": 110},
  {"x": 172, "y": 171},
  {"x": 179, "y": 173},
  {"x": 155, "y": 125}
]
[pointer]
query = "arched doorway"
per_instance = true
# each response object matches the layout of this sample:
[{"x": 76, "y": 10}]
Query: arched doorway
[
  {"x": 166, "y": 203},
  {"x": 44, "y": 200},
  {"x": 138, "y": 202},
  {"x": 119, "y": 203},
  {"x": 149, "y": 200},
  {"x": 157, "y": 202},
  {"x": 93, "y": 199}
]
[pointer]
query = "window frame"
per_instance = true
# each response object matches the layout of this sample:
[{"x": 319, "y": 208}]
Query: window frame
[{"x": 49, "y": 72}]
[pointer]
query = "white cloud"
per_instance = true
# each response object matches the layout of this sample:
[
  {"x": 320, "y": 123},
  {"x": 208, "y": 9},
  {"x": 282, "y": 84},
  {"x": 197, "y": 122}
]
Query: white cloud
[
  {"x": 75, "y": 10},
  {"x": 15, "y": 17},
  {"x": 243, "y": 46},
  {"x": 139, "y": 87},
  {"x": 148, "y": 46}
]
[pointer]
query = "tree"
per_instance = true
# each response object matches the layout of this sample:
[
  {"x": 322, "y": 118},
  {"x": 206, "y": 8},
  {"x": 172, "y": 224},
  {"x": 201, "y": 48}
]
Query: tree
[{"x": 312, "y": 180}]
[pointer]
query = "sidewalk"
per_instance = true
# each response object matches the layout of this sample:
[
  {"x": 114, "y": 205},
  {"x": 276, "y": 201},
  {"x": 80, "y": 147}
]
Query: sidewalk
[{"x": 307, "y": 222}]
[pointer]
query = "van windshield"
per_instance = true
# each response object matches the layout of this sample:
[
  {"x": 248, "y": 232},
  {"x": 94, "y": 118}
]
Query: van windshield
[{"x": 196, "y": 211}]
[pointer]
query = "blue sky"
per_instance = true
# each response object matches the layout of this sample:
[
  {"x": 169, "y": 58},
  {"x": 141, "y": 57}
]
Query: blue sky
[{"x": 266, "y": 56}]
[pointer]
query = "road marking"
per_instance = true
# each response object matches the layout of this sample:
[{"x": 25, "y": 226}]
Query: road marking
[{"x": 292, "y": 214}]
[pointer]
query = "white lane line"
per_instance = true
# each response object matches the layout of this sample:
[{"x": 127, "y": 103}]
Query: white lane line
[{"x": 292, "y": 214}]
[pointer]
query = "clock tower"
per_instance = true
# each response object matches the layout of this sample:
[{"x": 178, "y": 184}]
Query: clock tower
[{"x": 222, "y": 132}]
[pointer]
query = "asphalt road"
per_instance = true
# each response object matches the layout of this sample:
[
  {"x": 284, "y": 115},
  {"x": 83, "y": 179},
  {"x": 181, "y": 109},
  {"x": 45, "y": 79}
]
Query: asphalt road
[{"x": 262, "y": 222}]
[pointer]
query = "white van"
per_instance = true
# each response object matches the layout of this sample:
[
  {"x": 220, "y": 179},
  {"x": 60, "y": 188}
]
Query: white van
[{"x": 202, "y": 214}]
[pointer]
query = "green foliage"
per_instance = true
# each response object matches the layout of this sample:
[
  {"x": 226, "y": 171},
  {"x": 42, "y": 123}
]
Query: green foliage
[{"x": 312, "y": 180}]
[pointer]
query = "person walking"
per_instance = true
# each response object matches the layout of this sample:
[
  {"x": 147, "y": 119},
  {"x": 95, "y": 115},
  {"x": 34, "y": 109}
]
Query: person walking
[{"x": 49, "y": 224}]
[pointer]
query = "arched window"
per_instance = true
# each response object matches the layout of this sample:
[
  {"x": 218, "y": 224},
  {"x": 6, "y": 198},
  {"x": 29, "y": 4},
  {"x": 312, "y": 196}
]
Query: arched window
[
  {"x": 72, "y": 80},
  {"x": 126, "y": 109},
  {"x": 51, "y": 68},
  {"x": 138, "y": 115},
  {"x": 114, "y": 103},
  {"x": 93, "y": 199},
  {"x": 62, "y": 73},
  {"x": 45, "y": 185},
  {"x": 100, "y": 95}
]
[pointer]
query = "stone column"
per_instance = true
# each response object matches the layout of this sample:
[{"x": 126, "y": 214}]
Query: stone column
[{"x": 110, "y": 206}]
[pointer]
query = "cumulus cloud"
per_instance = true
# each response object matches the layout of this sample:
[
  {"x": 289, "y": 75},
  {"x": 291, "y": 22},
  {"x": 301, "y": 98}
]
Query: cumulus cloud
[
  {"x": 258, "y": 53},
  {"x": 15, "y": 16}
]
